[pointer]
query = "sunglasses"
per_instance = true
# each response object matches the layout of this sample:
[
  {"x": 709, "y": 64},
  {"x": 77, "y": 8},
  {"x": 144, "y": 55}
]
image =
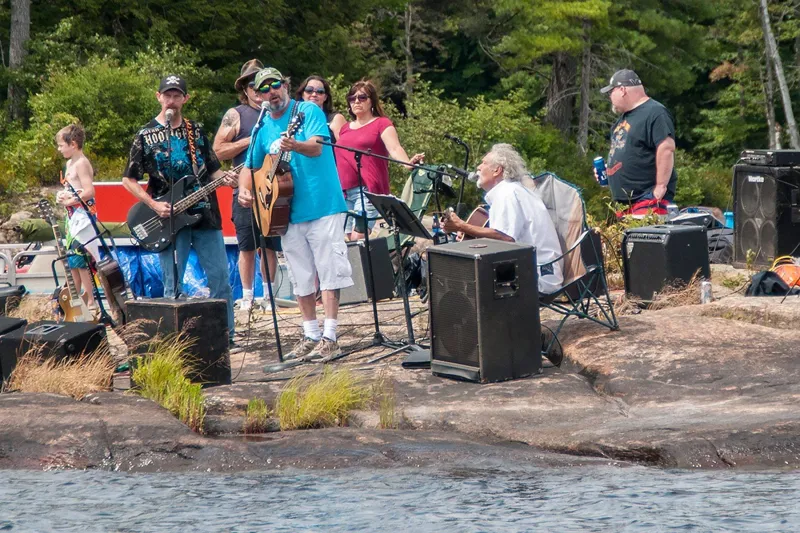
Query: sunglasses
[
  {"x": 309, "y": 90},
  {"x": 268, "y": 87},
  {"x": 359, "y": 97}
]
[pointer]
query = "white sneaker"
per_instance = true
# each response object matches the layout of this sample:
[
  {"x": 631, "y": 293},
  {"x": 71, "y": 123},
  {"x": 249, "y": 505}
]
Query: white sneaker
[
  {"x": 245, "y": 305},
  {"x": 264, "y": 304}
]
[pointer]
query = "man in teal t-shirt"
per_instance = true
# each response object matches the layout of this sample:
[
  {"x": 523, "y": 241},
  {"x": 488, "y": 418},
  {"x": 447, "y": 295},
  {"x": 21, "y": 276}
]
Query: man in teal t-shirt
[{"x": 314, "y": 241}]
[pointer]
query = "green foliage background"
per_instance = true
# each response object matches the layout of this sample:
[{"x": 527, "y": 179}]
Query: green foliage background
[{"x": 482, "y": 70}]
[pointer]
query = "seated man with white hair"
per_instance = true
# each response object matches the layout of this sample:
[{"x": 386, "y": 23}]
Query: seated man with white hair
[{"x": 516, "y": 213}]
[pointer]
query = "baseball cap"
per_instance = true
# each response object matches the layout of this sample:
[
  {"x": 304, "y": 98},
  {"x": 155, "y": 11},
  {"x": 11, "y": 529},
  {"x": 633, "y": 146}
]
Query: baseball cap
[
  {"x": 172, "y": 82},
  {"x": 268, "y": 73},
  {"x": 622, "y": 78},
  {"x": 248, "y": 69}
]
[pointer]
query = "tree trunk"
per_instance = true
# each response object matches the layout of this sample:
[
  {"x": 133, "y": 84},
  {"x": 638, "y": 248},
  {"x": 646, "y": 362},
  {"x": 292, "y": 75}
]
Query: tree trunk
[
  {"x": 407, "y": 49},
  {"x": 769, "y": 102},
  {"x": 20, "y": 34},
  {"x": 586, "y": 81},
  {"x": 772, "y": 51},
  {"x": 560, "y": 92}
]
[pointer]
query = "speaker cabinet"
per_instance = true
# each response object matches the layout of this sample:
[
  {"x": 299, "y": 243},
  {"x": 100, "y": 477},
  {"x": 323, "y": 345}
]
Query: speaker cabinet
[
  {"x": 766, "y": 213},
  {"x": 59, "y": 340},
  {"x": 10, "y": 298},
  {"x": 484, "y": 311},
  {"x": 382, "y": 265},
  {"x": 203, "y": 320},
  {"x": 654, "y": 257}
]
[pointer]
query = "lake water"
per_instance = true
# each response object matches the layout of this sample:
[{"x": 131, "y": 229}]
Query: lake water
[{"x": 594, "y": 498}]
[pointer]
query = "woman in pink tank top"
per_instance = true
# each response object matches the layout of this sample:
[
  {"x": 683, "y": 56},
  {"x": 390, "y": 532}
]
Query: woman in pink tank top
[{"x": 372, "y": 130}]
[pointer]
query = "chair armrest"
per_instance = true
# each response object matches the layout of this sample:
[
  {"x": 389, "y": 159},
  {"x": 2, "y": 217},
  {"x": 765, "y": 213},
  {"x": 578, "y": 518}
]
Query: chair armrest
[{"x": 577, "y": 243}]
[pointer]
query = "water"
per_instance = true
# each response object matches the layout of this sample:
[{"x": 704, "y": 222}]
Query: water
[{"x": 410, "y": 501}]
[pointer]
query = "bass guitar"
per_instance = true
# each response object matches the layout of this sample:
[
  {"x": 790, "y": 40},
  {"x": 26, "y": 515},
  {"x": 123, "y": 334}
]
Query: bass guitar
[
  {"x": 70, "y": 302},
  {"x": 152, "y": 231},
  {"x": 273, "y": 188}
]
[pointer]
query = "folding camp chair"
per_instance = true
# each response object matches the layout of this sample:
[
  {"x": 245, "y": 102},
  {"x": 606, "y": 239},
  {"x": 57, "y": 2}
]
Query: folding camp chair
[{"x": 584, "y": 292}]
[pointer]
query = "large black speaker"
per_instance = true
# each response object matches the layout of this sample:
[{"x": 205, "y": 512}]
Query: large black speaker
[
  {"x": 381, "y": 264},
  {"x": 484, "y": 310},
  {"x": 203, "y": 320},
  {"x": 766, "y": 213},
  {"x": 59, "y": 340},
  {"x": 654, "y": 257}
]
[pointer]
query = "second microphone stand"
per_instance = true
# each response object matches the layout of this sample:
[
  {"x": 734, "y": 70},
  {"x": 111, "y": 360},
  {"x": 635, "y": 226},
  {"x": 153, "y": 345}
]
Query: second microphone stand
[{"x": 378, "y": 338}]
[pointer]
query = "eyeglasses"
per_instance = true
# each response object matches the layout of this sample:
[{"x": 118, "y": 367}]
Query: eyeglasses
[
  {"x": 268, "y": 87},
  {"x": 318, "y": 90},
  {"x": 359, "y": 97}
]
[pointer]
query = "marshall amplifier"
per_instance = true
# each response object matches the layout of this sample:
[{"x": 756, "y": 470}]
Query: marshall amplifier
[{"x": 484, "y": 310}]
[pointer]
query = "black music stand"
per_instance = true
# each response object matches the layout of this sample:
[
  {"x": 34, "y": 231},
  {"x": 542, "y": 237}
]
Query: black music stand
[{"x": 401, "y": 219}]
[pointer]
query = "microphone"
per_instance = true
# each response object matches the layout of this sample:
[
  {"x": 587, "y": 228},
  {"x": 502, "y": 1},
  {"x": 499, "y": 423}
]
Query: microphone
[
  {"x": 473, "y": 177},
  {"x": 168, "y": 114},
  {"x": 454, "y": 139}
]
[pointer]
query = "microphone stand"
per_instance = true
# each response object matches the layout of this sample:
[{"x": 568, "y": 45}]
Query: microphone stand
[
  {"x": 173, "y": 237},
  {"x": 262, "y": 242},
  {"x": 459, "y": 203},
  {"x": 378, "y": 339}
]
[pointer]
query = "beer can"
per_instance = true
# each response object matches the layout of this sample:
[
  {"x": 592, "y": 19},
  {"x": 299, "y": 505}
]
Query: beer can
[
  {"x": 600, "y": 166},
  {"x": 706, "y": 296}
]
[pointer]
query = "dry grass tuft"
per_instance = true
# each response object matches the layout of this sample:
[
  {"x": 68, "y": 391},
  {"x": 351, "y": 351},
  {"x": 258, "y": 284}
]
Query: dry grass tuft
[
  {"x": 384, "y": 394},
  {"x": 75, "y": 377},
  {"x": 678, "y": 294},
  {"x": 322, "y": 401},
  {"x": 256, "y": 416}
]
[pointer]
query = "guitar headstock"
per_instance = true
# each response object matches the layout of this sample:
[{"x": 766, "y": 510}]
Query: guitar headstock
[
  {"x": 46, "y": 210},
  {"x": 295, "y": 124}
]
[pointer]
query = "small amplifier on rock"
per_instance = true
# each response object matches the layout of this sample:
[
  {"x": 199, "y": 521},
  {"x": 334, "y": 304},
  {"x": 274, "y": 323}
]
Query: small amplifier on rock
[
  {"x": 59, "y": 340},
  {"x": 654, "y": 257}
]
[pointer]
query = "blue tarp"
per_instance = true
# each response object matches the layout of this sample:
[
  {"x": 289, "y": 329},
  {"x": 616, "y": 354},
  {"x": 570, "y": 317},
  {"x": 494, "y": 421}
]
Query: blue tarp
[{"x": 143, "y": 273}]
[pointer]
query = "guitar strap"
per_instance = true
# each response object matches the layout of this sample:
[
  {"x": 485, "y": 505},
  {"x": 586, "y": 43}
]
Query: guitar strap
[{"x": 192, "y": 146}]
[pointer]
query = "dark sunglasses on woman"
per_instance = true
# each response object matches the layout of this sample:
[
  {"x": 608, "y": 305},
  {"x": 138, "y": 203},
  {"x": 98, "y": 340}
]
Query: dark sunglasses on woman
[
  {"x": 359, "y": 97},
  {"x": 309, "y": 90}
]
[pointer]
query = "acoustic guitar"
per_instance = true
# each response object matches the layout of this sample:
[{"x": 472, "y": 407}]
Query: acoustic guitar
[
  {"x": 152, "y": 231},
  {"x": 273, "y": 188},
  {"x": 70, "y": 302},
  {"x": 479, "y": 217}
]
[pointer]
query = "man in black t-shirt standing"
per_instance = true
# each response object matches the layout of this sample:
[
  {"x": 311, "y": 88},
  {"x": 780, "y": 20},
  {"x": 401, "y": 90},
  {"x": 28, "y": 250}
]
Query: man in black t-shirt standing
[
  {"x": 189, "y": 157},
  {"x": 641, "y": 163}
]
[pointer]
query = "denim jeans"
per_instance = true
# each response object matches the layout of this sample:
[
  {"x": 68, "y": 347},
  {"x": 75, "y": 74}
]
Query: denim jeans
[
  {"x": 352, "y": 198},
  {"x": 210, "y": 249}
]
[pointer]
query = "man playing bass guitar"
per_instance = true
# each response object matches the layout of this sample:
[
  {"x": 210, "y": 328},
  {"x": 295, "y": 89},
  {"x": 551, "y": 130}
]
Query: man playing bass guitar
[
  {"x": 189, "y": 154},
  {"x": 314, "y": 240}
]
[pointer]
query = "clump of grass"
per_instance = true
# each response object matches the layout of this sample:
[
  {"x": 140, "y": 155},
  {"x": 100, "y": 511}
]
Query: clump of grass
[
  {"x": 160, "y": 375},
  {"x": 255, "y": 418},
  {"x": 322, "y": 401},
  {"x": 678, "y": 294},
  {"x": 734, "y": 283},
  {"x": 383, "y": 392},
  {"x": 75, "y": 377}
]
